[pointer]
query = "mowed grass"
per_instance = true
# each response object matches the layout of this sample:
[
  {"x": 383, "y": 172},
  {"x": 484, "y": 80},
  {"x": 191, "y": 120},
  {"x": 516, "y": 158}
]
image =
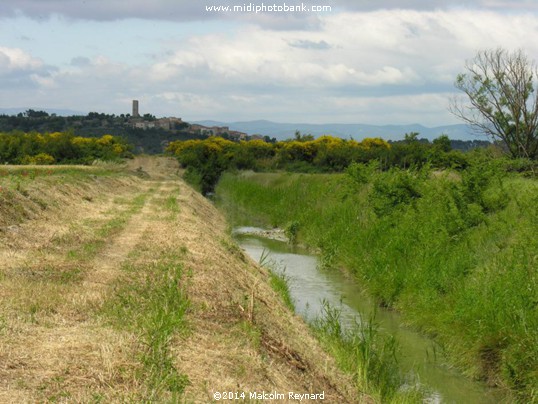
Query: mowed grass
[
  {"x": 150, "y": 303},
  {"x": 455, "y": 254},
  {"x": 53, "y": 300},
  {"x": 56, "y": 264}
]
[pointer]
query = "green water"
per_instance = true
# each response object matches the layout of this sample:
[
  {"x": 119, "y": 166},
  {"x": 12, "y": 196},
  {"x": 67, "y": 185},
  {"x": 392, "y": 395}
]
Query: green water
[{"x": 310, "y": 286}]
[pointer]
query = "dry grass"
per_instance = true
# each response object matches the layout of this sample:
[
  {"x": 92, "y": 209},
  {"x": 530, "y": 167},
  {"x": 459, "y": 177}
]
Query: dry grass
[
  {"x": 52, "y": 346},
  {"x": 243, "y": 338},
  {"x": 57, "y": 344}
]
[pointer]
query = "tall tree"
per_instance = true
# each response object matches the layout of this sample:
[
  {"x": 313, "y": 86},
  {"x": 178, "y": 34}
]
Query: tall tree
[{"x": 502, "y": 99}]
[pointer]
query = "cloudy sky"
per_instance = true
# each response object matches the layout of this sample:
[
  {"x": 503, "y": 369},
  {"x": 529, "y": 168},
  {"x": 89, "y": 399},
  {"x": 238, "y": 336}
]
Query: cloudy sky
[{"x": 362, "y": 61}]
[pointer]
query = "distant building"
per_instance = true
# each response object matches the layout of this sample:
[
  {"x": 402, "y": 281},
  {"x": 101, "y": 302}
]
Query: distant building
[
  {"x": 136, "y": 121},
  {"x": 236, "y": 135},
  {"x": 168, "y": 123},
  {"x": 198, "y": 129},
  {"x": 135, "y": 109}
]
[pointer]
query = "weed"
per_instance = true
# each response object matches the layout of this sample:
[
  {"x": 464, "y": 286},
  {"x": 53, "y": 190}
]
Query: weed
[
  {"x": 361, "y": 351},
  {"x": 279, "y": 283},
  {"x": 291, "y": 231},
  {"x": 232, "y": 248},
  {"x": 252, "y": 332},
  {"x": 278, "y": 279},
  {"x": 171, "y": 204}
]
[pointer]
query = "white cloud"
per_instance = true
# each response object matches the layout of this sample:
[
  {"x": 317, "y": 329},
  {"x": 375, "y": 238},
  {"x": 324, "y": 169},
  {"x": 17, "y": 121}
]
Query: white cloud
[
  {"x": 43, "y": 82},
  {"x": 17, "y": 59},
  {"x": 384, "y": 66},
  {"x": 367, "y": 49}
]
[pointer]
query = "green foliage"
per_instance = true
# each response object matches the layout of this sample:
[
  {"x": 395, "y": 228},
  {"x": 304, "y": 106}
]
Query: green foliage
[
  {"x": 392, "y": 189},
  {"x": 291, "y": 231},
  {"x": 208, "y": 159},
  {"x": 59, "y": 147},
  {"x": 362, "y": 173},
  {"x": 442, "y": 143},
  {"x": 94, "y": 124},
  {"x": 39, "y": 159},
  {"x": 363, "y": 352},
  {"x": 279, "y": 283},
  {"x": 499, "y": 88},
  {"x": 277, "y": 279},
  {"x": 193, "y": 177},
  {"x": 455, "y": 252}
]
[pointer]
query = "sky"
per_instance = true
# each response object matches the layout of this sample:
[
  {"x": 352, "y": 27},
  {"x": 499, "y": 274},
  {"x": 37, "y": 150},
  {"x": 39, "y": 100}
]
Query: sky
[{"x": 348, "y": 61}]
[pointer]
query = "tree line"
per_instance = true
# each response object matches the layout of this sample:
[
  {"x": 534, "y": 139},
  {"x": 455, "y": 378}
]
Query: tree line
[
  {"x": 96, "y": 124},
  {"x": 205, "y": 160},
  {"x": 59, "y": 147}
]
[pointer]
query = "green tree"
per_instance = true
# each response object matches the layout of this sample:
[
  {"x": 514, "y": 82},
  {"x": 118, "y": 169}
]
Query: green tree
[
  {"x": 502, "y": 99},
  {"x": 442, "y": 143},
  {"x": 411, "y": 137},
  {"x": 303, "y": 138}
]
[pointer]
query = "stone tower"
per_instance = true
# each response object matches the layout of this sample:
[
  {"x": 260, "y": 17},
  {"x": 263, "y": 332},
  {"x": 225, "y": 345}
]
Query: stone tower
[{"x": 135, "y": 109}]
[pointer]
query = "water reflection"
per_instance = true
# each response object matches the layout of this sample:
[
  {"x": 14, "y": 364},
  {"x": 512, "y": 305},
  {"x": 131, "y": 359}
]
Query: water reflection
[{"x": 310, "y": 286}]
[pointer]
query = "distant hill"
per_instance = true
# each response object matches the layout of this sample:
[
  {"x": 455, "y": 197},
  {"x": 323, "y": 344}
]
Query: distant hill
[
  {"x": 357, "y": 131},
  {"x": 149, "y": 140},
  {"x": 59, "y": 112}
]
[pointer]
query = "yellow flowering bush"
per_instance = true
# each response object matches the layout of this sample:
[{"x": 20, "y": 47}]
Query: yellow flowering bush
[
  {"x": 39, "y": 159},
  {"x": 61, "y": 147}
]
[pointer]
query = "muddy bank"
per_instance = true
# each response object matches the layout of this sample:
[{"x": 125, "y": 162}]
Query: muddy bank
[{"x": 271, "y": 234}]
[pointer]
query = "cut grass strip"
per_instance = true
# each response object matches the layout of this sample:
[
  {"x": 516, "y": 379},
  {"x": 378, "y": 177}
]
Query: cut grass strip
[
  {"x": 152, "y": 304},
  {"x": 91, "y": 248}
]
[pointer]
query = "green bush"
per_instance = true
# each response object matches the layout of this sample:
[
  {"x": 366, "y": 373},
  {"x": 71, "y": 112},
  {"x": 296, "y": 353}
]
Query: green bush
[{"x": 393, "y": 189}]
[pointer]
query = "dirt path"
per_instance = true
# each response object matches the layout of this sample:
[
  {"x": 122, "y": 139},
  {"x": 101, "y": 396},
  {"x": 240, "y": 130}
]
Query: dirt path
[
  {"x": 106, "y": 266},
  {"x": 69, "y": 268}
]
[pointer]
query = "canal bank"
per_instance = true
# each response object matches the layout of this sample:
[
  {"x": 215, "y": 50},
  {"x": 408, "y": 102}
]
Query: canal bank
[{"x": 311, "y": 287}]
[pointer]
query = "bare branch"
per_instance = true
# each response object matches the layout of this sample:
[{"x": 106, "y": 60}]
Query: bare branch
[{"x": 501, "y": 99}]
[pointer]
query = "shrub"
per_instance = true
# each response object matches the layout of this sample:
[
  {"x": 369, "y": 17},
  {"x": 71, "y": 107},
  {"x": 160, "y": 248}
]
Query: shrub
[
  {"x": 39, "y": 159},
  {"x": 393, "y": 189}
]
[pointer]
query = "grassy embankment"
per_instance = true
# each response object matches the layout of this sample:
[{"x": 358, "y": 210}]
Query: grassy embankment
[
  {"x": 61, "y": 259},
  {"x": 455, "y": 254},
  {"x": 116, "y": 288}
]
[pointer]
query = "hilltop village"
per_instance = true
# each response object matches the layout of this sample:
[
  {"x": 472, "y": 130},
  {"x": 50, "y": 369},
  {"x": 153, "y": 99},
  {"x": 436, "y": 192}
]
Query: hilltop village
[
  {"x": 148, "y": 121},
  {"x": 146, "y": 133}
]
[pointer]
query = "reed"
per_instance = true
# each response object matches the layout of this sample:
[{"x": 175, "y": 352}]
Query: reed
[{"x": 455, "y": 253}]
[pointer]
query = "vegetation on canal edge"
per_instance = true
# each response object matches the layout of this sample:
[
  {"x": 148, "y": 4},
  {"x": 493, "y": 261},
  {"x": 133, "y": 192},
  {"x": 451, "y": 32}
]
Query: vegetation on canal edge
[
  {"x": 205, "y": 160},
  {"x": 360, "y": 350},
  {"x": 454, "y": 252},
  {"x": 370, "y": 358},
  {"x": 277, "y": 280}
]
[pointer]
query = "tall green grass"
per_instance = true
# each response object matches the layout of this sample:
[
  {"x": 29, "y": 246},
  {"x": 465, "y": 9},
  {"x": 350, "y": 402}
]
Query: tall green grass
[
  {"x": 278, "y": 279},
  {"x": 454, "y": 253},
  {"x": 370, "y": 358}
]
